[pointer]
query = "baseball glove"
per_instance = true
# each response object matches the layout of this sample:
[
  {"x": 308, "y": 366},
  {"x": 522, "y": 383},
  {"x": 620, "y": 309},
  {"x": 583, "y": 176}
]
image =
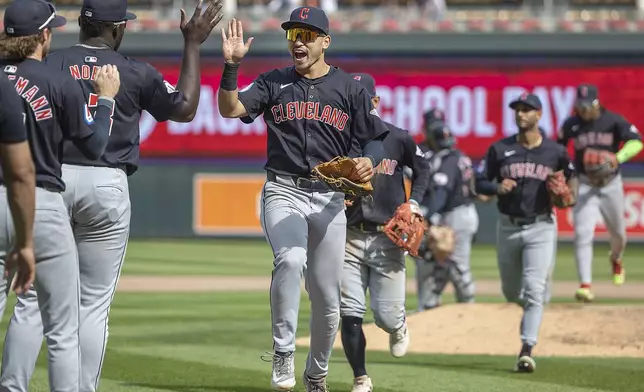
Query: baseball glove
[
  {"x": 440, "y": 242},
  {"x": 406, "y": 228},
  {"x": 600, "y": 166},
  {"x": 337, "y": 173},
  {"x": 560, "y": 193}
]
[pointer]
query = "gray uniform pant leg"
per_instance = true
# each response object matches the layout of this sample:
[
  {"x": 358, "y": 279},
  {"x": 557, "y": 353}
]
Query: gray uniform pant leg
[
  {"x": 55, "y": 293},
  {"x": 525, "y": 256},
  {"x": 307, "y": 232},
  {"x": 375, "y": 263}
]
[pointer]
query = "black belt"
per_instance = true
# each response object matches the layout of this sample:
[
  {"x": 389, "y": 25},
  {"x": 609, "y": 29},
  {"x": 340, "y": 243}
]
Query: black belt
[
  {"x": 297, "y": 181},
  {"x": 524, "y": 221},
  {"x": 368, "y": 227}
]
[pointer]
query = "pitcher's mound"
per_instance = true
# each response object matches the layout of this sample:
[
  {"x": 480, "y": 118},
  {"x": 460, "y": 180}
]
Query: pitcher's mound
[{"x": 567, "y": 330}]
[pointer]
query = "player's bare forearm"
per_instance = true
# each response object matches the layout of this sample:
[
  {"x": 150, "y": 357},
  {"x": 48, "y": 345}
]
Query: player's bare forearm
[
  {"x": 20, "y": 179},
  {"x": 229, "y": 105},
  {"x": 189, "y": 83}
]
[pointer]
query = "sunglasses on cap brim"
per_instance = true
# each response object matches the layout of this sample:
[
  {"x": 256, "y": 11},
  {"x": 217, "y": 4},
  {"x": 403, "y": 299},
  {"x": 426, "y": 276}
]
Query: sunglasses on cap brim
[{"x": 305, "y": 35}]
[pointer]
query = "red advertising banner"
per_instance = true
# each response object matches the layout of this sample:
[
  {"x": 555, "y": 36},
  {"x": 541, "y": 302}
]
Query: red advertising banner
[
  {"x": 633, "y": 214},
  {"x": 475, "y": 102}
]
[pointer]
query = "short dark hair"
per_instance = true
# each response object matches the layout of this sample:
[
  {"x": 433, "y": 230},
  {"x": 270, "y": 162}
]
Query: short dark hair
[{"x": 93, "y": 28}]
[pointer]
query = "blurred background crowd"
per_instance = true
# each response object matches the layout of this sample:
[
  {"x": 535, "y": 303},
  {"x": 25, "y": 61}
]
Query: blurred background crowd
[{"x": 467, "y": 16}]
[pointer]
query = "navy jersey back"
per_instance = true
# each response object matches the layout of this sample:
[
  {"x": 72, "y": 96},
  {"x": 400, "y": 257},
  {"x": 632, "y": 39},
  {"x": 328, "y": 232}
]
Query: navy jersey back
[
  {"x": 388, "y": 180},
  {"x": 12, "y": 114},
  {"x": 142, "y": 88},
  {"x": 453, "y": 171},
  {"x": 55, "y": 110},
  {"x": 606, "y": 133},
  {"x": 530, "y": 168},
  {"x": 310, "y": 121}
]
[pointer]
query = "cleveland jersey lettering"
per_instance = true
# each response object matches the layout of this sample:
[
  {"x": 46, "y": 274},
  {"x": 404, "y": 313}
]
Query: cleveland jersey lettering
[
  {"x": 142, "y": 88},
  {"x": 607, "y": 133},
  {"x": 529, "y": 168},
  {"x": 388, "y": 181},
  {"x": 310, "y": 120}
]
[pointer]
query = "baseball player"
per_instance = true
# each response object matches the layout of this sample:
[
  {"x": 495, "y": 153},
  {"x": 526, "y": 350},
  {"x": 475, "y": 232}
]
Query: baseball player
[
  {"x": 448, "y": 202},
  {"x": 18, "y": 192},
  {"x": 526, "y": 229},
  {"x": 594, "y": 127},
  {"x": 313, "y": 112},
  {"x": 55, "y": 109},
  {"x": 372, "y": 260},
  {"x": 97, "y": 195}
]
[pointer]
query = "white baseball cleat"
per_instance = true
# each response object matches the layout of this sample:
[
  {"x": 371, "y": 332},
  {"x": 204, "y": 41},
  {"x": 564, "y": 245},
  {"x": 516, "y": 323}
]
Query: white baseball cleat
[
  {"x": 283, "y": 376},
  {"x": 362, "y": 384},
  {"x": 399, "y": 341},
  {"x": 526, "y": 364}
]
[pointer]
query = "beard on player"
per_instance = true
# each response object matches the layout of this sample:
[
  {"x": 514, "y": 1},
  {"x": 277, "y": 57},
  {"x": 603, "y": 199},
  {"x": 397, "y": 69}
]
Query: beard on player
[{"x": 527, "y": 118}]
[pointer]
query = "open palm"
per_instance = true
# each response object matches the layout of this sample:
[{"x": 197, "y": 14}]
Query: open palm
[{"x": 233, "y": 47}]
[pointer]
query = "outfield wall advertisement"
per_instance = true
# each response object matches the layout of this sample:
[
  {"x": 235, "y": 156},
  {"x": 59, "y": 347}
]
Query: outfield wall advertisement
[
  {"x": 229, "y": 204},
  {"x": 474, "y": 99}
]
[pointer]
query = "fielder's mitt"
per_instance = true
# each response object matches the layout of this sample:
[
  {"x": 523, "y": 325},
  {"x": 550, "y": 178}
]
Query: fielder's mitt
[
  {"x": 440, "y": 241},
  {"x": 560, "y": 194},
  {"x": 600, "y": 166},
  {"x": 337, "y": 173},
  {"x": 406, "y": 228}
]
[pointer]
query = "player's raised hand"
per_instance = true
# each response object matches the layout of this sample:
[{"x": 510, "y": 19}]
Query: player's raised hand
[
  {"x": 23, "y": 261},
  {"x": 108, "y": 81},
  {"x": 199, "y": 27},
  {"x": 363, "y": 169},
  {"x": 506, "y": 186},
  {"x": 233, "y": 47}
]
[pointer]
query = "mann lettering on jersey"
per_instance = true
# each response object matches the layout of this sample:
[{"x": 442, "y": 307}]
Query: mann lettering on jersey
[
  {"x": 310, "y": 111},
  {"x": 30, "y": 93}
]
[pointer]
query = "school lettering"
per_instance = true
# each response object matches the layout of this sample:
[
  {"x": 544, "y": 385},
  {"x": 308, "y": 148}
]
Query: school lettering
[
  {"x": 38, "y": 103},
  {"x": 526, "y": 170},
  {"x": 299, "y": 110}
]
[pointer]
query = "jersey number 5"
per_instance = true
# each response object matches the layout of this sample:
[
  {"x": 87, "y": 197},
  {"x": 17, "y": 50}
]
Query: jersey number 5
[{"x": 93, "y": 103}]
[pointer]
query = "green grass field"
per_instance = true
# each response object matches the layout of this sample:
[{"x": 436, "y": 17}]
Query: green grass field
[{"x": 213, "y": 341}]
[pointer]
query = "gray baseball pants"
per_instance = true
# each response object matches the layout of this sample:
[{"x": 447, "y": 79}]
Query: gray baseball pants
[
  {"x": 98, "y": 203},
  {"x": 432, "y": 277},
  {"x": 525, "y": 254},
  {"x": 55, "y": 311},
  {"x": 373, "y": 262},
  {"x": 305, "y": 226}
]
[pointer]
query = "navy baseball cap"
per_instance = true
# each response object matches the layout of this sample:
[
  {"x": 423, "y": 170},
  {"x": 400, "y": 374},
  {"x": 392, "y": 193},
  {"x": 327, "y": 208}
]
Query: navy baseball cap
[
  {"x": 28, "y": 17},
  {"x": 367, "y": 81},
  {"x": 306, "y": 16},
  {"x": 587, "y": 94},
  {"x": 106, "y": 10},
  {"x": 433, "y": 115},
  {"x": 530, "y": 100}
]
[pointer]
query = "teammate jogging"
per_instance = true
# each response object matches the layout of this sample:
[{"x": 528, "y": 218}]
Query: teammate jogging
[
  {"x": 594, "y": 127},
  {"x": 372, "y": 261},
  {"x": 450, "y": 202},
  {"x": 526, "y": 230},
  {"x": 313, "y": 112},
  {"x": 18, "y": 192},
  {"x": 55, "y": 109},
  {"x": 97, "y": 195}
]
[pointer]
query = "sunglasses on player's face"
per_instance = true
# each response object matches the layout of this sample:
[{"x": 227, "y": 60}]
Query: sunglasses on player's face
[{"x": 305, "y": 35}]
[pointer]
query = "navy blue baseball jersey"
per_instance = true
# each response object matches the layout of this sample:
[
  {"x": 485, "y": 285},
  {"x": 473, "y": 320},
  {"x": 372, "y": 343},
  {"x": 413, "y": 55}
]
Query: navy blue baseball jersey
[
  {"x": 451, "y": 170},
  {"x": 530, "y": 168},
  {"x": 142, "y": 88},
  {"x": 12, "y": 114},
  {"x": 310, "y": 121},
  {"x": 55, "y": 110},
  {"x": 606, "y": 133},
  {"x": 389, "y": 182}
]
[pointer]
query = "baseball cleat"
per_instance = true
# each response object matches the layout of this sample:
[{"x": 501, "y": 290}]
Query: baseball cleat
[
  {"x": 399, "y": 341},
  {"x": 362, "y": 384},
  {"x": 283, "y": 376},
  {"x": 584, "y": 294},
  {"x": 526, "y": 364},
  {"x": 315, "y": 384},
  {"x": 619, "y": 273}
]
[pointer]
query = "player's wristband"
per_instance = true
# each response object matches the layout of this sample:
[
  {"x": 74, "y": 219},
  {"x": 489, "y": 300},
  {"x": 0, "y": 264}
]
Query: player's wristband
[
  {"x": 229, "y": 78},
  {"x": 105, "y": 101}
]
